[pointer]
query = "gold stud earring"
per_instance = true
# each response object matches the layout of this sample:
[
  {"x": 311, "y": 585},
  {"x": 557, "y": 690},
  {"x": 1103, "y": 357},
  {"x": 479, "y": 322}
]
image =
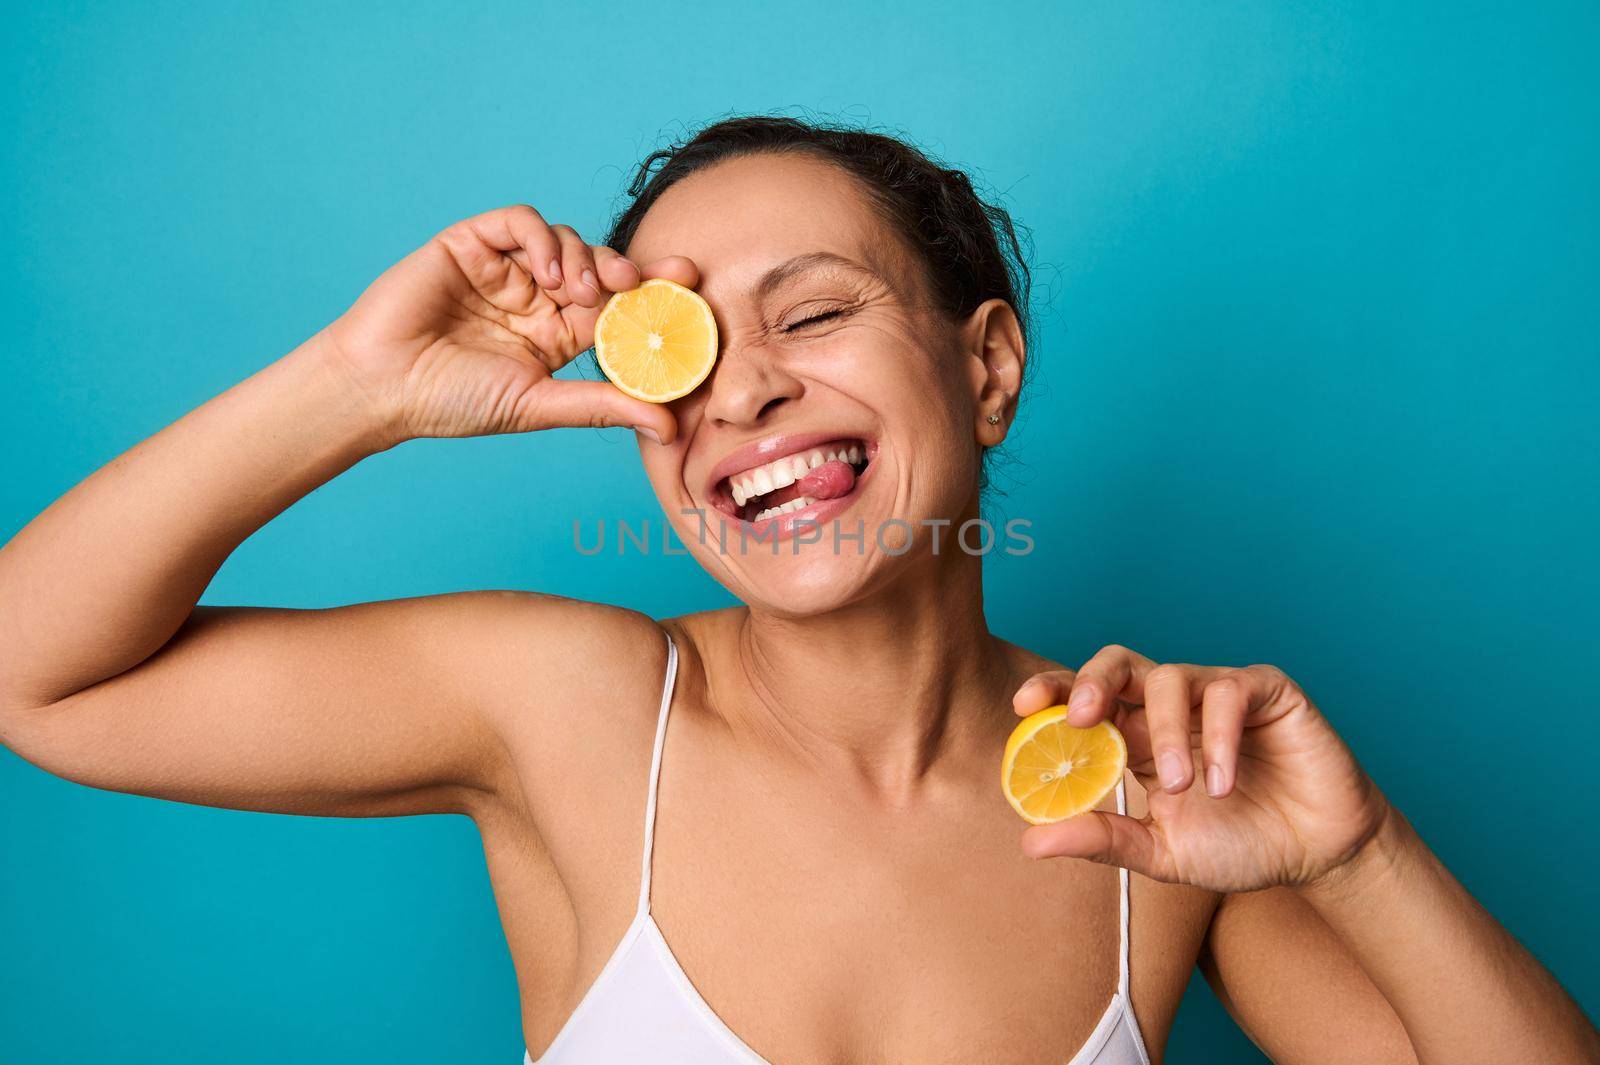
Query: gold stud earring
[{"x": 994, "y": 419}]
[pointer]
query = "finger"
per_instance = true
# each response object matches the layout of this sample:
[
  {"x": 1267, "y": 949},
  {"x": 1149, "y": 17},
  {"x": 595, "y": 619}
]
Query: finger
[
  {"x": 521, "y": 232},
  {"x": 493, "y": 263},
  {"x": 580, "y": 322},
  {"x": 1042, "y": 690},
  {"x": 679, "y": 268},
  {"x": 1272, "y": 693},
  {"x": 598, "y": 405},
  {"x": 1168, "y": 701},
  {"x": 616, "y": 272},
  {"x": 577, "y": 268},
  {"x": 1113, "y": 672},
  {"x": 1112, "y": 839},
  {"x": 1224, "y": 705},
  {"x": 580, "y": 317},
  {"x": 532, "y": 234}
]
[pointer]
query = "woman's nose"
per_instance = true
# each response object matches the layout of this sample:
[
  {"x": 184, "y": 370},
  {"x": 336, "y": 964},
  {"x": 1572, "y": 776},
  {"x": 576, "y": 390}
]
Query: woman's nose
[{"x": 747, "y": 386}]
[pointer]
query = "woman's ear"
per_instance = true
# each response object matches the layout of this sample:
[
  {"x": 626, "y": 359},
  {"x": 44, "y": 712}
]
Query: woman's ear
[{"x": 996, "y": 353}]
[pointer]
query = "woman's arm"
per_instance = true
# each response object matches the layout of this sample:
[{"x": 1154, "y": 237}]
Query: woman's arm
[
  {"x": 111, "y": 675},
  {"x": 1294, "y": 988},
  {"x": 1388, "y": 959},
  {"x": 1338, "y": 889},
  {"x": 1464, "y": 988}
]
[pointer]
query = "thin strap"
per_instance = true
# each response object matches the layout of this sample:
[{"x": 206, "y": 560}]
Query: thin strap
[
  {"x": 1122, "y": 875},
  {"x": 655, "y": 773}
]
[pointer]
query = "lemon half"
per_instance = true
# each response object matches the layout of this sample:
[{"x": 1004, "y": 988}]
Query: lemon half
[
  {"x": 1052, "y": 770},
  {"x": 656, "y": 342}
]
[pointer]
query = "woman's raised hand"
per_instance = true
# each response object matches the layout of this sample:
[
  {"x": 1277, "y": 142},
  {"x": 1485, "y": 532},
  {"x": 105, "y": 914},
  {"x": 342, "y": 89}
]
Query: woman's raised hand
[
  {"x": 461, "y": 337},
  {"x": 1249, "y": 786}
]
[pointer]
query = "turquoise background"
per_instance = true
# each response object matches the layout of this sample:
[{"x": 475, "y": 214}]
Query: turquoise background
[{"x": 1318, "y": 371}]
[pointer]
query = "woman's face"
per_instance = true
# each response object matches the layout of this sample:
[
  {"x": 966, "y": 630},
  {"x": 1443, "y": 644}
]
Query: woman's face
[{"x": 833, "y": 359}]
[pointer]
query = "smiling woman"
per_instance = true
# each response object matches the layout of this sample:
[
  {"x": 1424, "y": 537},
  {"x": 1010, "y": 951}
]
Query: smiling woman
[
  {"x": 948, "y": 246},
  {"x": 877, "y": 319},
  {"x": 873, "y": 901}
]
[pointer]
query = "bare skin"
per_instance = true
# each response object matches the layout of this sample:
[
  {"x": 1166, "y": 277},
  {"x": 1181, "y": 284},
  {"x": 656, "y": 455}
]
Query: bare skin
[{"x": 834, "y": 863}]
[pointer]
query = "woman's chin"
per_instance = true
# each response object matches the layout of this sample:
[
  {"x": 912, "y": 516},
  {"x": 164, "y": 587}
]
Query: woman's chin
[{"x": 808, "y": 585}]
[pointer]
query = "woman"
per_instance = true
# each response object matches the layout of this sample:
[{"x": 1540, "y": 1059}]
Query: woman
[{"x": 819, "y": 835}]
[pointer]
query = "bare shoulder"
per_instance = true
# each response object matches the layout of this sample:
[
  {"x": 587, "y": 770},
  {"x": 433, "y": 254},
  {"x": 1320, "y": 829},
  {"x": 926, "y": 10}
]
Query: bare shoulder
[
  {"x": 574, "y": 689},
  {"x": 1025, "y": 662},
  {"x": 704, "y": 632},
  {"x": 572, "y": 648},
  {"x": 703, "y": 640},
  {"x": 565, "y": 680}
]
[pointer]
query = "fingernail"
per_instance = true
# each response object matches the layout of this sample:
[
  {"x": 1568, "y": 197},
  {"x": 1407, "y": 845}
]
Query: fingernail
[
  {"x": 1170, "y": 768},
  {"x": 588, "y": 279},
  {"x": 1082, "y": 696},
  {"x": 646, "y": 431},
  {"x": 555, "y": 270},
  {"x": 1214, "y": 781}
]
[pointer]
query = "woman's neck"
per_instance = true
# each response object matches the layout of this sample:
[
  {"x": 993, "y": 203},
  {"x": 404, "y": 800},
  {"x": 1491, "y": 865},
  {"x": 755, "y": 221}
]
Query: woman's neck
[{"x": 883, "y": 689}]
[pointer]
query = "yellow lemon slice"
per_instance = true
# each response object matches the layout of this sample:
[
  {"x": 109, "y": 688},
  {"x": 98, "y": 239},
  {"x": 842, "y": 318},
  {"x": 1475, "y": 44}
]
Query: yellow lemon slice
[
  {"x": 656, "y": 342},
  {"x": 1052, "y": 770}
]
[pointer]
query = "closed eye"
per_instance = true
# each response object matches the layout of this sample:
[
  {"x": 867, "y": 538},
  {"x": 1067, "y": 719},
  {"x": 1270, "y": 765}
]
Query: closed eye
[{"x": 815, "y": 319}]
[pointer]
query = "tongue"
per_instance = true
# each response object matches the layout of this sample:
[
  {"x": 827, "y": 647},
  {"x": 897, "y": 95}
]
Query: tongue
[{"x": 828, "y": 481}]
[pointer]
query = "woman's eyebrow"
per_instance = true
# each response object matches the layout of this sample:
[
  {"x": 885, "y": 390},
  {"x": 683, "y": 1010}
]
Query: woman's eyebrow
[{"x": 789, "y": 269}]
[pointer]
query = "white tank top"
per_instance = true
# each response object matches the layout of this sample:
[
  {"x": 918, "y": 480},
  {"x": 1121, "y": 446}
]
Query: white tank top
[{"x": 643, "y": 1009}]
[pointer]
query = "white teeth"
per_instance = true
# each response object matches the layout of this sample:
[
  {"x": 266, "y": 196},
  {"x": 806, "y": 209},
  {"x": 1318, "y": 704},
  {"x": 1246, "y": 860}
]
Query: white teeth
[
  {"x": 783, "y": 472},
  {"x": 785, "y": 508}
]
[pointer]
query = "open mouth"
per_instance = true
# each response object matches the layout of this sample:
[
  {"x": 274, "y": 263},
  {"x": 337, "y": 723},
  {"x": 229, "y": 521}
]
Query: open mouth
[{"x": 794, "y": 481}]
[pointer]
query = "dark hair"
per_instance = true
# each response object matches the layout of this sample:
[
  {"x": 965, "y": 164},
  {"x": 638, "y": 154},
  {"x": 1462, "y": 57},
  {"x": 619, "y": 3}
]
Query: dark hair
[{"x": 968, "y": 246}]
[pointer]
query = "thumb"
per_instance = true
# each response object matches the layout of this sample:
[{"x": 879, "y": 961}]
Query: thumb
[
  {"x": 1111, "y": 839},
  {"x": 679, "y": 268},
  {"x": 597, "y": 405}
]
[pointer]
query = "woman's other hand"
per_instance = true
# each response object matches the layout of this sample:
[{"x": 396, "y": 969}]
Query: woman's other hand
[
  {"x": 1249, "y": 786},
  {"x": 461, "y": 337}
]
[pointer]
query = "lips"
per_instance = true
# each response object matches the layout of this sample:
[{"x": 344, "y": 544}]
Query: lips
[{"x": 784, "y": 476}]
